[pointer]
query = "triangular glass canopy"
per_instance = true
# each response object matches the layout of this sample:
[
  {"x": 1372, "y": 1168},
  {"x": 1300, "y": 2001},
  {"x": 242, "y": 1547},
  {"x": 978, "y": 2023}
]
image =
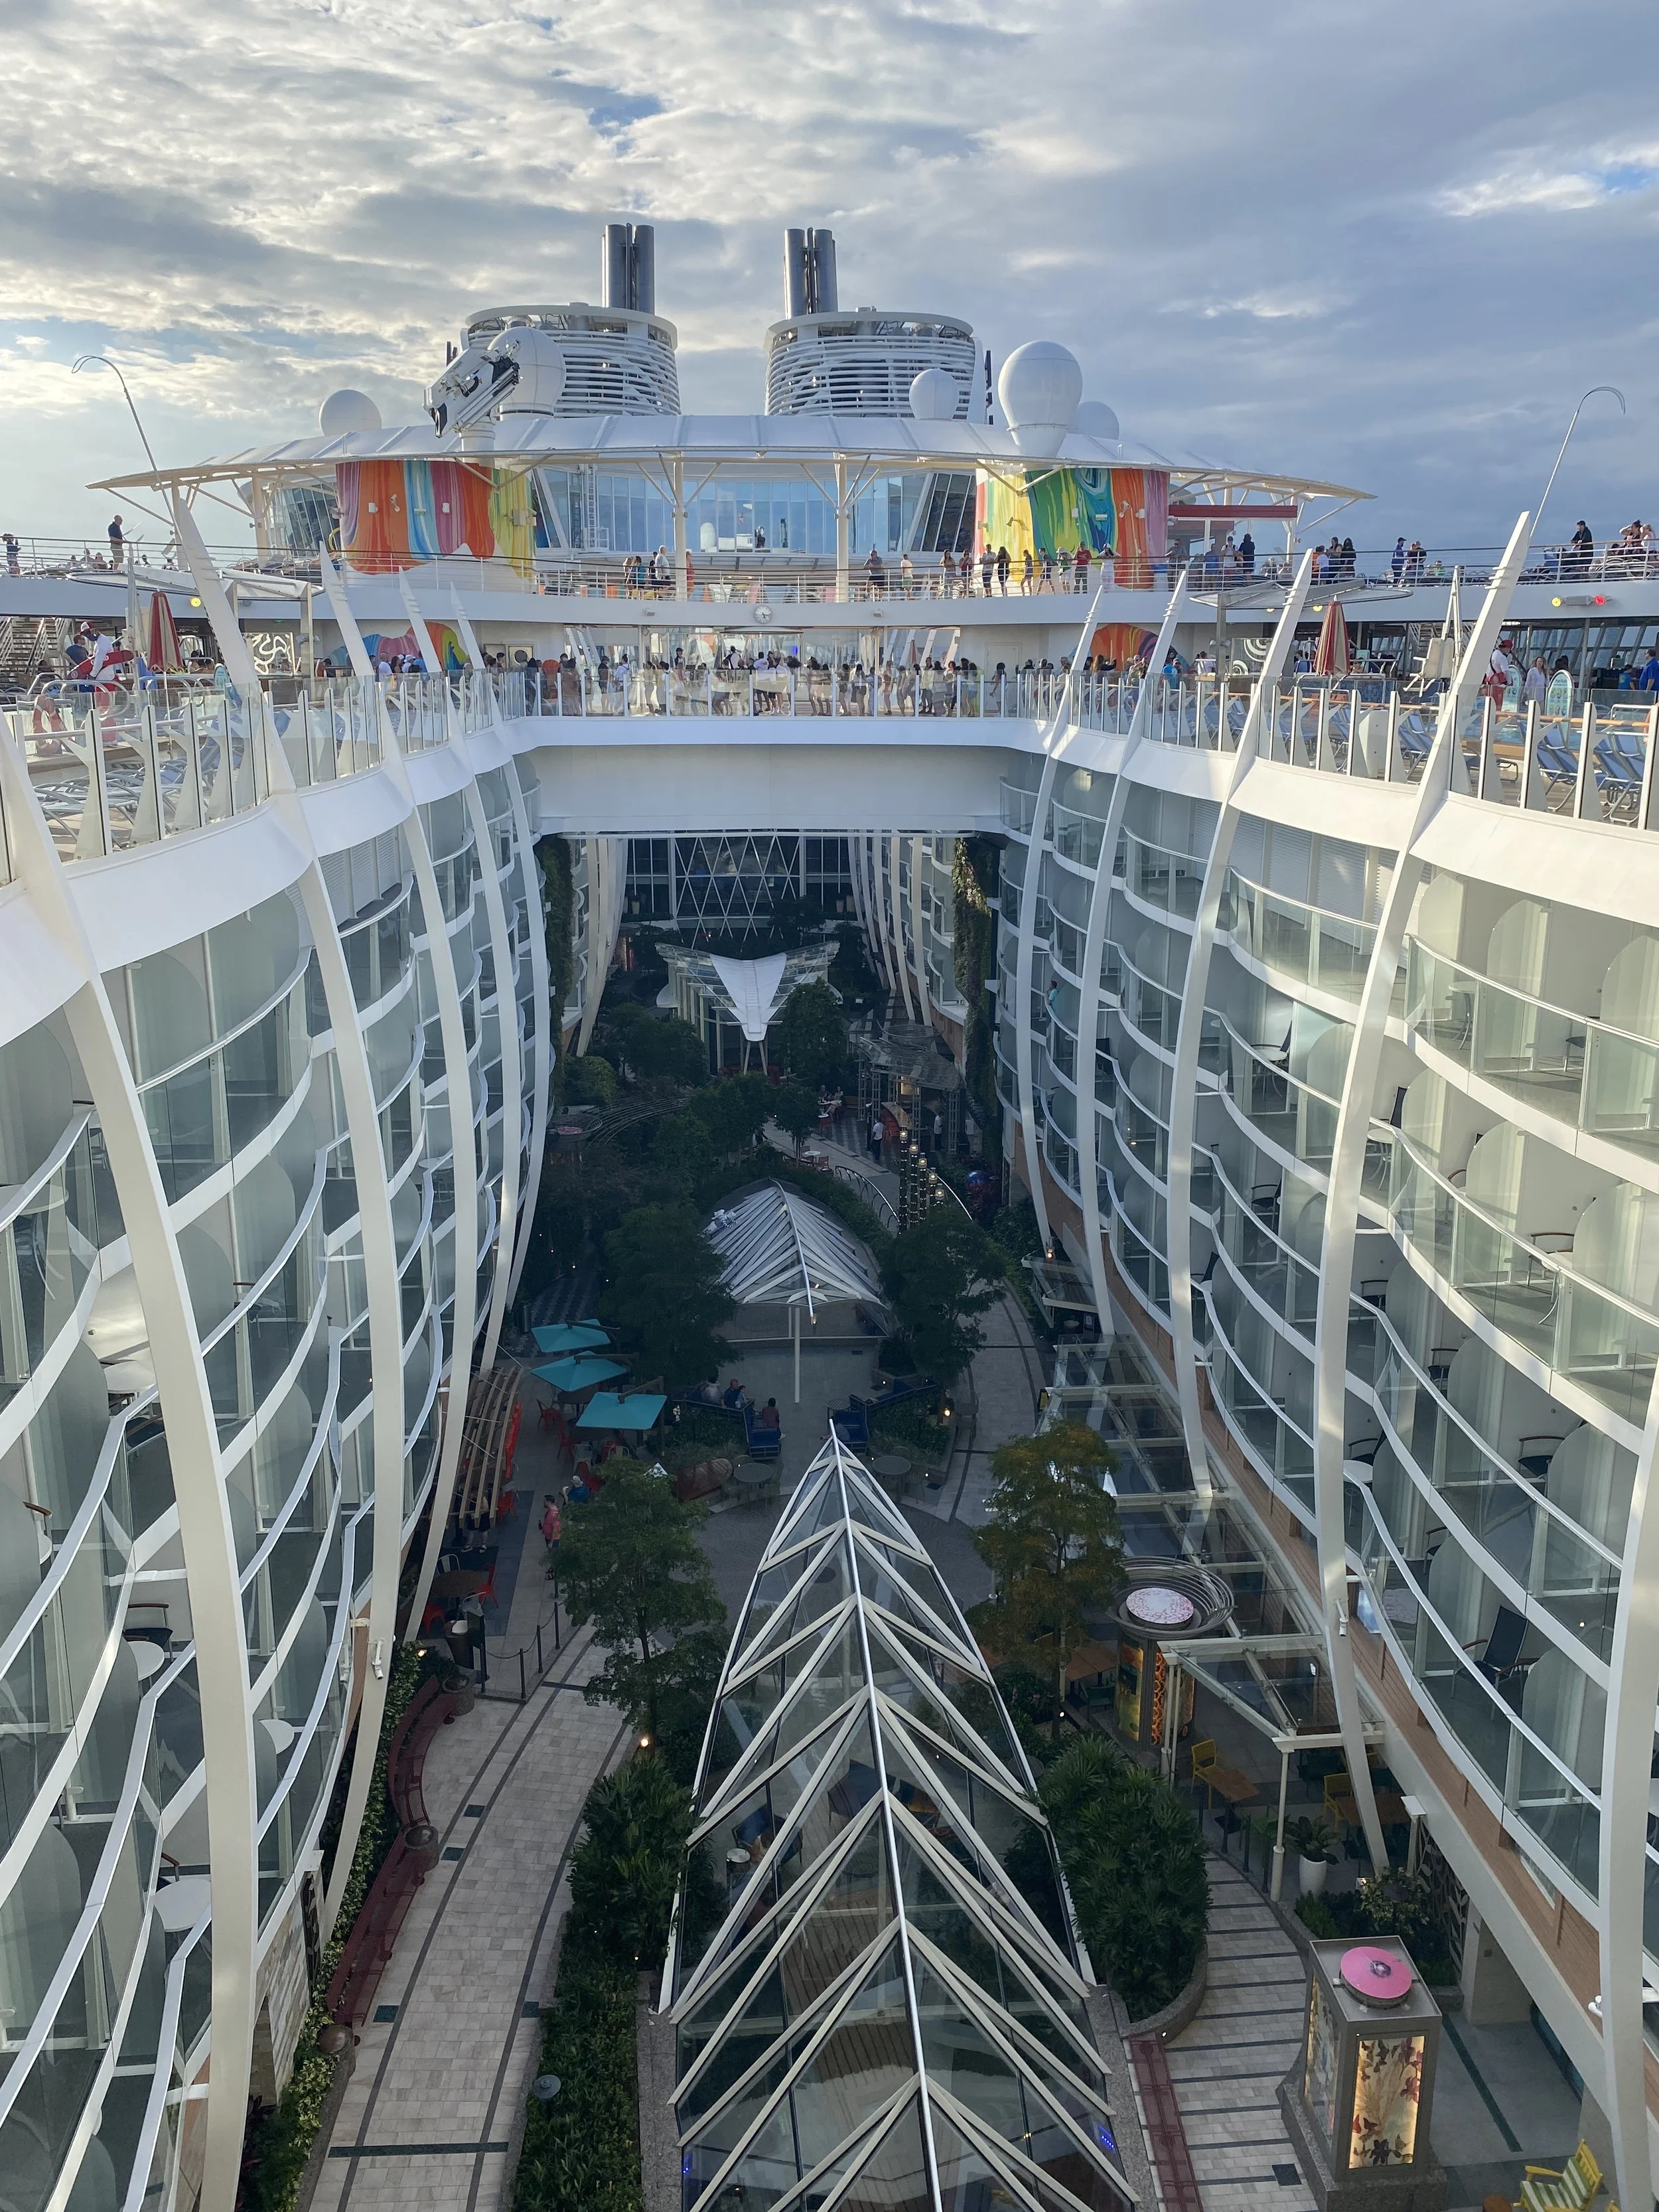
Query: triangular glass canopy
[{"x": 876, "y": 1987}]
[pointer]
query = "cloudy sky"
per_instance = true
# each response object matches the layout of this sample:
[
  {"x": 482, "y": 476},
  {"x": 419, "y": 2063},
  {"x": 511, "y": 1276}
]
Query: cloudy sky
[{"x": 1385, "y": 244}]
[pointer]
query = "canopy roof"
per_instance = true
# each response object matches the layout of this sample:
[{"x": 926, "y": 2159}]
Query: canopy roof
[
  {"x": 780, "y": 1249},
  {"x": 863, "y": 445},
  {"x": 754, "y": 987},
  {"x": 883, "y": 2007}
]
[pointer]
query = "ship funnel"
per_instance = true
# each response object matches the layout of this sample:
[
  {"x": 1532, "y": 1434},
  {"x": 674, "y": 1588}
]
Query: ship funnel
[
  {"x": 808, "y": 272},
  {"x": 627, "y": 270}
]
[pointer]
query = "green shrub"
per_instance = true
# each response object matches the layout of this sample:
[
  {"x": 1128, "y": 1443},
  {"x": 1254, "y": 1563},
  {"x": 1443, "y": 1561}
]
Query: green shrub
[
  {"x": 275, "y": 2157},
  {"x": 913, "y": 1426},
  {"x": 625, "y": 1869},
  {"x": 1135, "y": 1862},
  {"x": 1316, "y": 1917},
  {"x": 581, "y": 2153}
]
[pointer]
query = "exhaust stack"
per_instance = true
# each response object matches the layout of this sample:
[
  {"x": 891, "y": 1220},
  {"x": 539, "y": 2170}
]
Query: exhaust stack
[
  {"x": 629, "y": 267},
  {"x": 808, "y": 273}
]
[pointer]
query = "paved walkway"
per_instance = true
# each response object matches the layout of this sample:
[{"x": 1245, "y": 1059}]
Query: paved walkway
[
  {"x": 1226, "y": 2067},
  {"x": 433, "y": 2113}
]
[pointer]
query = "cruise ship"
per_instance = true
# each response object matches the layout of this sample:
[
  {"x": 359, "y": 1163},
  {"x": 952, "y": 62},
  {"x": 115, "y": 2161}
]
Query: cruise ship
[{"x": 1319, "y": 1026}]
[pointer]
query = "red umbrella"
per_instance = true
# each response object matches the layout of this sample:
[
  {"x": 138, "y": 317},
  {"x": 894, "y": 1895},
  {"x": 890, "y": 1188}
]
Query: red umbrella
[
  {"x": 161, "y": 646},
  {"x": 1331, "y": 655}
]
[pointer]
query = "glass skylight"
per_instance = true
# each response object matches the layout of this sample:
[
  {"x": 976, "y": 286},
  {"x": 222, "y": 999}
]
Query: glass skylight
[{"x": 873, "y": 1975}]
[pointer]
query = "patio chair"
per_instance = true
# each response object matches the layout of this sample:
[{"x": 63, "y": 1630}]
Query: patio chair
[
  {"x": 1620, "y": 763},
  {"x": 1202, "y": 1755},
  {"x": 1559, "y": 766},
  {"x": 763, "y": 1443},
  {"x": 1570, "y": 2189},
  {"x": 1340, "y": 1803},
  {"x": 1500, "y": 1659}
]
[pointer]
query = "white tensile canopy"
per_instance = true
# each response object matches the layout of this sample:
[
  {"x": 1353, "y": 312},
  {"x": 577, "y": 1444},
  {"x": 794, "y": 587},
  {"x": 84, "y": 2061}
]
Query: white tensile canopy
[
  {"x": 780, "y": 1249},
  {"x": 878, "y": 2001}
]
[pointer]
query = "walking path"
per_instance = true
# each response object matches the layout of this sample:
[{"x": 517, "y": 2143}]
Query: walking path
[
  {"x": 1227, "y": 2065},
  {"x": 433, "y": 2113}
]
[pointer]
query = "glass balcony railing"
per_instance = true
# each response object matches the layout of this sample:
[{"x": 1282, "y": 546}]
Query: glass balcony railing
[
  {"x": 1568, "y": 1066},
  {"x": 1287, "y": 1113},
  {"x": 1329, "y": 952},
  {"x": 1161, "y": 878},
  {"x": 1601, "y": 1343},
  {"x": 1078, "y": 837}
]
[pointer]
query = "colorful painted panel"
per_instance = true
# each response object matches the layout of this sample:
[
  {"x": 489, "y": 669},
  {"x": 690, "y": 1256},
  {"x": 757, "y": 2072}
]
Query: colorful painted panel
[
  {"x": 1319, "y": 2069},
  {"x": 396, "y": 514},
  {"x": 1122, "y": 643},
  {"x": 1386, "y": 2091},
  {"x": 1122, "y": 512}
]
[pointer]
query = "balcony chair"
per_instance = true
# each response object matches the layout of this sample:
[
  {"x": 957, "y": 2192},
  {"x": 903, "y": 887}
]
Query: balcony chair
[
  {"x": 1570, "y": 2189},
  {"x": 1535, "y": 1455},
  {"x": 1500, "y": 1660}
]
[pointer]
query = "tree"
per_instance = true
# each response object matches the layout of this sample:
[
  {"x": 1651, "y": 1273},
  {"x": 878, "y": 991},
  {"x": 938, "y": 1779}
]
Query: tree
[
  {"x": 624, "y": 1871},
  {"x": 1134, "y": 1862},
  {"x": 795, "y": 1110},
  {"x": 654, "y": 1047},
  {"x": 939, "y": 1276},
  {"x": 733, "y": 1111},
  {"x": 1052, "y": 1541},
  {"x": 663, "y": 1294},
  {"x": 682, "y": 1152},
  {"x": 590, "y": 1081},
  {"x": 810, "y": 1035},
  {"x": 630, "y": 1563}
]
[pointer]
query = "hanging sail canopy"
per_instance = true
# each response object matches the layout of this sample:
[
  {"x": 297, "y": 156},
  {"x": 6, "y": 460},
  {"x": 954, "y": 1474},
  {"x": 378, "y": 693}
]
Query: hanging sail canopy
[
  {"x": 876, "y": 1987},
  {"x": 754, "y": 987},
  {"x": 780, "y": 1249}
]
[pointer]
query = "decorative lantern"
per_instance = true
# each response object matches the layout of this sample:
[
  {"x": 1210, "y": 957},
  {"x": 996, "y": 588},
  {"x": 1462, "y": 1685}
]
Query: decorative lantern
[{"x": 1359, "y": 2100}]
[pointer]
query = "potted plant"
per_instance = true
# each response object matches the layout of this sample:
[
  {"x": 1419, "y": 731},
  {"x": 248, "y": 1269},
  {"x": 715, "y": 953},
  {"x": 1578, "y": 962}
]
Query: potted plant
[{"x": 1315, "y": 1844}]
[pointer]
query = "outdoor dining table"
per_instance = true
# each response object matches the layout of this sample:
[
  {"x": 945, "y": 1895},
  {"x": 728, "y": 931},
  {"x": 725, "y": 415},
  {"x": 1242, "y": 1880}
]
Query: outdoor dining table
[{"x": 890, "y": 1470}]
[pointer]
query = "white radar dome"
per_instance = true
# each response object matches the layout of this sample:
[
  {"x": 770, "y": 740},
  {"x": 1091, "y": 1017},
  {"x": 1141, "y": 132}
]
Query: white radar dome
[
  {"x": 345, "y": 411},
  {"x": 935, "y": 396},
  {"x": 540, "y": 362},
  {"x": 1095, "y": 419},
  {"x": 1040, "y": 386}
]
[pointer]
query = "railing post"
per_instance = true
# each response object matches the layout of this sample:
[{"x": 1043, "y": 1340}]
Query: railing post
[
  {"x": 524, "y": 1687},
  {"x": 1644, "y": 803},
  {"x": 1586, "y": 770}
]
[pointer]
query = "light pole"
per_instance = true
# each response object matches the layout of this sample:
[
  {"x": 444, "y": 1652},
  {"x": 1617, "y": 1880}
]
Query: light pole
[
  {"x": 1538, "y": 512},
  {"x": 103, "y": 360}
]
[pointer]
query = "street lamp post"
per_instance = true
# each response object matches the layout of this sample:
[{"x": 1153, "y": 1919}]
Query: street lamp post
[
  {"x": 103, "y": 360},
  {"x": 1538, "y": 512}
]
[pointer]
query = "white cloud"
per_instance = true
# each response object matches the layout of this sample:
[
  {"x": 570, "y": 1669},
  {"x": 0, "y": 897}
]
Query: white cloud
[
  {"x": 1611, "y": 174},
  {"x": 1252, "y": 226}
]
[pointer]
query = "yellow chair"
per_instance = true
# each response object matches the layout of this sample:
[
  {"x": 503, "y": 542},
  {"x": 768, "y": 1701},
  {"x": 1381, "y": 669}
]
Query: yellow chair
[
  {"x": 1570, "y": 2189},
  {"x": 1203, "y": 1757},
  {"x": 1339, "y": 1802}
]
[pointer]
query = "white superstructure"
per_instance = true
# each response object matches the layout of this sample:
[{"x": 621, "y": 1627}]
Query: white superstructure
[{"x": 1324, "y": 1026}]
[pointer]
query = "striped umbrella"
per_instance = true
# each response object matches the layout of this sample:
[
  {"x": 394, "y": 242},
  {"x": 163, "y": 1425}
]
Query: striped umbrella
[
  {"x": 1332, "y": 656},
  {"x": 161, "y": 637}
]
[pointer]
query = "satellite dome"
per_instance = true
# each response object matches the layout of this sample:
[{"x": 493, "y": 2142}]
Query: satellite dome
[
  {"x": 935, "y": 396},
  {"x": 345, "y": 411},
  {"x": 1040, "y": 386},
  {"x": 540, "y": 362},
  {"x": 1095, "y": 419}
]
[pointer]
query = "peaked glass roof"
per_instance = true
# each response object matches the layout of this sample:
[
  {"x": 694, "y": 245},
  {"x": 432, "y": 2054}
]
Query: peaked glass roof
[
  {"x": 781, "y": 1249},
  {"x": 875, "y": 1984}
]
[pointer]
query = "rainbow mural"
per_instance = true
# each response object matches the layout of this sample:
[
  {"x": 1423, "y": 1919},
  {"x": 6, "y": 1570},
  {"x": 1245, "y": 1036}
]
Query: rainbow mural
[
  {"x": 1122, "y": 512},
  {"x": 395, "y": 515}
]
